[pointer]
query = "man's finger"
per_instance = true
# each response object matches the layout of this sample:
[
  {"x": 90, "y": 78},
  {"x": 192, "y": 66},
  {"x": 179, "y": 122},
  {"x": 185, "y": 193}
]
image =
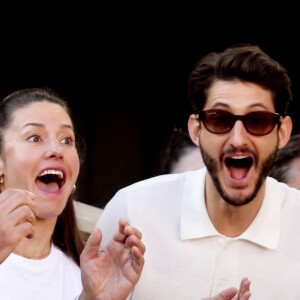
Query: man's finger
[{"x": 244, "y": 287}]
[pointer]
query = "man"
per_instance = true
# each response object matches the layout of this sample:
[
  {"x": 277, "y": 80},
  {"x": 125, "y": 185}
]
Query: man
[
  {"x": 287, "y": 163},
  {"x": 207, "y": 229}
]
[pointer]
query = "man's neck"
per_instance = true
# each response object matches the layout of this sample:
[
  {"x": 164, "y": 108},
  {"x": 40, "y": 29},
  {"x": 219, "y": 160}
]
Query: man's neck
[{"x": 228, "y": 219}]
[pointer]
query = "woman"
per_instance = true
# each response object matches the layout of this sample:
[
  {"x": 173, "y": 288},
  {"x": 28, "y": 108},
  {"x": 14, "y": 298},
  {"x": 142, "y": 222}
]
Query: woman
[{"x": 40, "y": 247}]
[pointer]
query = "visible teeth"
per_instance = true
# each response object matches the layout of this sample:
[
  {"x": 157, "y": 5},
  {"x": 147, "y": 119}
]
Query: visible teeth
[
  {"x": 54, "y": 172},
  {"x": 239, "y": 157}
]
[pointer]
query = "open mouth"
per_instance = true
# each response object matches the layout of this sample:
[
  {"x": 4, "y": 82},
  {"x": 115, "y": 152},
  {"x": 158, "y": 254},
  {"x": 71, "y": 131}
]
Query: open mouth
[
  {"x": 50, "y": 180},
  {"x": 238, "y": 165}
]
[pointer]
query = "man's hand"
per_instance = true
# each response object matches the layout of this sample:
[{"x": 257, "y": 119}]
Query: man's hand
[
  {"x": 242, "y": 294},
  {"x": 111, "y": 274}
]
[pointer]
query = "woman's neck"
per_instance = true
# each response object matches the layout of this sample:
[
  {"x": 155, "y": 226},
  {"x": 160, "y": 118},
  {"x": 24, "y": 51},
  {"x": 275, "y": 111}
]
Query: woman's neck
[{"x": 39, "y": 246}]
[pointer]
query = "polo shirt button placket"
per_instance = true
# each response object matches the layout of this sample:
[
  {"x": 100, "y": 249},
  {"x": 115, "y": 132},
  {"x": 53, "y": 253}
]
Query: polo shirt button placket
[{"x": 221, "y": 283}]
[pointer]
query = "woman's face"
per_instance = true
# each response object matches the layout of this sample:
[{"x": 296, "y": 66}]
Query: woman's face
[{"x": 39, "y": 155}]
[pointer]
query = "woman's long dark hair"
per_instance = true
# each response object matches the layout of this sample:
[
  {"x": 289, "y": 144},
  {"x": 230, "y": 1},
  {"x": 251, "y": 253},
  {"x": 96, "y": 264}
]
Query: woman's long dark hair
[{"x": 66, "y": 234}]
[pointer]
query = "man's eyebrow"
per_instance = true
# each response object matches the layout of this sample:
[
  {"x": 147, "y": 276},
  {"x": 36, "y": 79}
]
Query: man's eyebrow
[{"x": 42, "y": 125}]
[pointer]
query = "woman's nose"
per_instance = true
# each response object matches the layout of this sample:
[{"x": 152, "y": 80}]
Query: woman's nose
[{"x": 54, "y": 150}]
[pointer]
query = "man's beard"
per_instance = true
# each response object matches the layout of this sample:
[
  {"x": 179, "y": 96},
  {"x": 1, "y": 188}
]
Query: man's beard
[{"x": 263, "y": 171}]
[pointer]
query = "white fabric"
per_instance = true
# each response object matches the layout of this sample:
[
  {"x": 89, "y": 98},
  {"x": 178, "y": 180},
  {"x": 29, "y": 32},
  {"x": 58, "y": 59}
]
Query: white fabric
[
  {"x": 186, "y": 258},
  {"x": 55, "y": 277}
]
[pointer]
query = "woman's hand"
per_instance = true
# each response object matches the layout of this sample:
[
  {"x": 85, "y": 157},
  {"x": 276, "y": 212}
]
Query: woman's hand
[
  {"x": 111, "y": 274},
  {"x": 17, "y": 218}
]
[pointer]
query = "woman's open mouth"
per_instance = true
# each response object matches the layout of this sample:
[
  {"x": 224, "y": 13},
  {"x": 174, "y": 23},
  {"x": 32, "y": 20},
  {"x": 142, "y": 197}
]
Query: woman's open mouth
[{"x": 50, "y": 180}]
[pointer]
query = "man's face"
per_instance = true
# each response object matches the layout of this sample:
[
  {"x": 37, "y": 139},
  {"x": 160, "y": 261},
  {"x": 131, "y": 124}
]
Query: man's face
[{"x": 237, "y": 161}]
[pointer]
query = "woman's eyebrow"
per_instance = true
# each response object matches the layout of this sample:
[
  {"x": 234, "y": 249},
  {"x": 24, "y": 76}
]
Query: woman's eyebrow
[
  {"x": 33, "y": 124},
  {"x": 67, "y": 126},
  {"x": 42, "y": 125}
]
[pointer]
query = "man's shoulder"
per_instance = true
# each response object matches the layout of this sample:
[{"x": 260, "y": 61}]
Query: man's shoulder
[
  {"x": 165, "y": 180},
  {"x": 284, "y": 192}
]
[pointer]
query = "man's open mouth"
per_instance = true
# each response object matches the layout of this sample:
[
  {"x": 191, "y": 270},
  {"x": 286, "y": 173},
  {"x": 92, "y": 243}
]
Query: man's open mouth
[
  {"x": 238, "y": 165},
  {"x": 50, "y": 180}
]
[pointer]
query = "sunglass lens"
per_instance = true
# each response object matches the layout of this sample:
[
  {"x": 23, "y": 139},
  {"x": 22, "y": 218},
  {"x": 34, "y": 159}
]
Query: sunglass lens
[
  {"x": 260, "y": 123},
  {"x": 217, "y": 121}
]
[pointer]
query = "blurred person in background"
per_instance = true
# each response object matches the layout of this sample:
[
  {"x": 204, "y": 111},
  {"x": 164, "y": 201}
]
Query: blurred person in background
[{"x": 287, "y": 163}]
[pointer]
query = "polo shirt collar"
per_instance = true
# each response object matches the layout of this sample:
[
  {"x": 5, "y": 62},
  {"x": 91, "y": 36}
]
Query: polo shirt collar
[{"x": 195, "y": 222}]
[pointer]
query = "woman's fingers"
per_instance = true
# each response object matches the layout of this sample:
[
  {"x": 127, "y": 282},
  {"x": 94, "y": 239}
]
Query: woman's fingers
[{"x": 10, "y": 199}]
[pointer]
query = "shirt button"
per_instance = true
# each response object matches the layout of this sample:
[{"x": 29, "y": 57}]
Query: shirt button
[{"x": 221, "y": 283}]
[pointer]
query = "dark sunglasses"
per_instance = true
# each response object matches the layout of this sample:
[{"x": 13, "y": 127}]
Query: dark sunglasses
[{"x": 220, "y": 121}]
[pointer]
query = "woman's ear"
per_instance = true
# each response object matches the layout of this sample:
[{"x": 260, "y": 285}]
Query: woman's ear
[
  {"x": 1, "y": 174},
  {"x": 194, "y": 128},
  {"x": 284, "y": 131},
  {"x": 1, "y": 166}
]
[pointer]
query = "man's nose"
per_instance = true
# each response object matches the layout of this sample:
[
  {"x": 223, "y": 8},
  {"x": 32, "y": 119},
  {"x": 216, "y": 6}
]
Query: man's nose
[{"x": 238, "y": 135}]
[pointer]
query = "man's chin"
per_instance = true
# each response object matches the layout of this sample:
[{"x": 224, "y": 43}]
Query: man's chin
[
  {"x": 238, "y": 196},
  {"x": 238, "y": 201}
]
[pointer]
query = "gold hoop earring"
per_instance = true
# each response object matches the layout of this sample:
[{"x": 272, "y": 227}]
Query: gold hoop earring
[
  {"x": 74, "y": 188},
  {"x": 1, "y": 179}
]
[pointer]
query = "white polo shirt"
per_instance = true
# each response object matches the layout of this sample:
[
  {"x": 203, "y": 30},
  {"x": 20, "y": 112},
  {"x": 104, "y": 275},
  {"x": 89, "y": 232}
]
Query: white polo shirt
[{"x": 186, "y": 258}]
